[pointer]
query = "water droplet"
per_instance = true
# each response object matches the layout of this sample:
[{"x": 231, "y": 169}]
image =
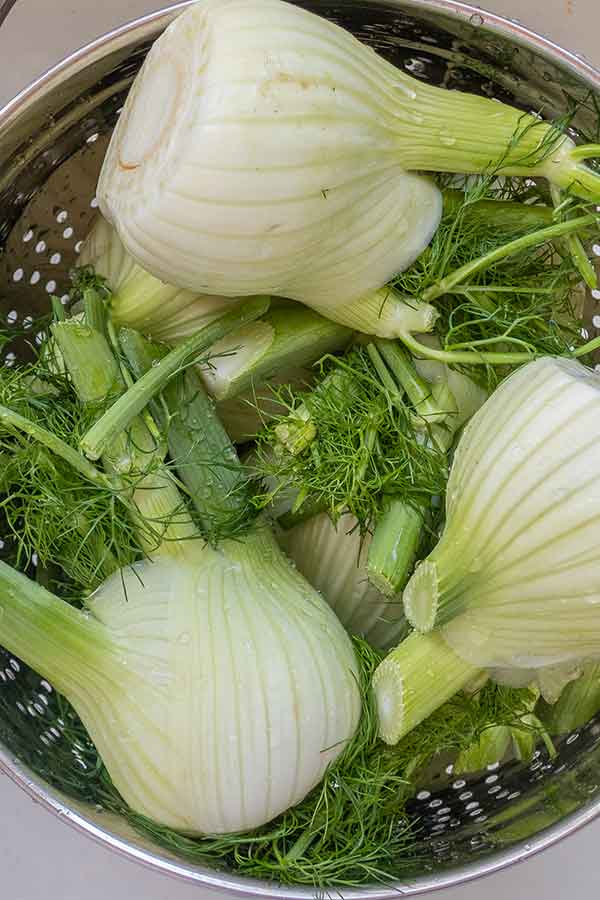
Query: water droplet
[
  {"x": 184, "y": 638},
  {"x": 477, "y": 20},
  {"x": 447, "y": 140}
]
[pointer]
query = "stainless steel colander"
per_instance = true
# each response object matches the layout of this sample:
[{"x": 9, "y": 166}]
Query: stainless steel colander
[{"x": 52, "y": 140}]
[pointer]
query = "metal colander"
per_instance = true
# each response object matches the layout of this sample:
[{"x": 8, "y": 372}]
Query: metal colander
[{"x": 52, "y": 140}]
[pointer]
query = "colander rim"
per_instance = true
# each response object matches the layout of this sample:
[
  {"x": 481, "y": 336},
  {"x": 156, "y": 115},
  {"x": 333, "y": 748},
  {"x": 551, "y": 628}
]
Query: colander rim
[{"x": 34, "y": 786}]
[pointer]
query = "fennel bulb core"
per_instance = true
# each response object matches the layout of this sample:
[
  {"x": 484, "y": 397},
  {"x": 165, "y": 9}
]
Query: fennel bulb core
[
  {"x": 216, "y": 688},
  {"x": 515, "y": 578},
  {"x": 256, "y": 153}
]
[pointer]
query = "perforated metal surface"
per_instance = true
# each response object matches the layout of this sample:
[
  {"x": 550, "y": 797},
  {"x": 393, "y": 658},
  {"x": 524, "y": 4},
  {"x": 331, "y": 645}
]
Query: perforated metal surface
[{"x": 52, "y": 143}]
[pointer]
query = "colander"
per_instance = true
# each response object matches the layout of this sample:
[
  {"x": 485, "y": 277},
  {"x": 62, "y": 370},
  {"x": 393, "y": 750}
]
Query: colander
[{"x": 52, "y": 141}]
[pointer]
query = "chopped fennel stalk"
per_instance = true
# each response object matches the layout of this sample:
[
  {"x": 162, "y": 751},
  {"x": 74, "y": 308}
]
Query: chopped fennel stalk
[
  {"x": 394, "y": 545},
  {"x": 288, "y": 337},
  {"x": 414, "y": 680}
]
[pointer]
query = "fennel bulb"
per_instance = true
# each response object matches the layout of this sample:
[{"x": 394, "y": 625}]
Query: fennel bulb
[
  {"x": 513, "y": 583},
  {"x": 263, "y": 149},
  {"x": 215, "y": 682},
  {"x": 519, "y": 551},
  {"x": 333, "y": 557},
  {"x": 283, "y": 178},
  {"x": 217, "y": 689}
]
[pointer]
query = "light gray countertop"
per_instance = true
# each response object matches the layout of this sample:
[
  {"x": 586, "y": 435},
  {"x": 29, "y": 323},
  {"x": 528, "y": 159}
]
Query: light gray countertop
[{"x": 40, "y": 857}]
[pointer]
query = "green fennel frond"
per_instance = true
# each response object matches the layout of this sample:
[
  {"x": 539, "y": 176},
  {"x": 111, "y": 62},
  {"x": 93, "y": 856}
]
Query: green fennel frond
[{"x": 366, "y": 447}]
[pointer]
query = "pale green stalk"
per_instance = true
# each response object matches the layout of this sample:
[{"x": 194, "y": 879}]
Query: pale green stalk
[
  {"x": 199, "y": 446},
  {"x": 62, "y": 644},
  {"x": 120, "y": 414},
  {"x": 133, "y": 455},
  {"x": 414, "y": 680}
]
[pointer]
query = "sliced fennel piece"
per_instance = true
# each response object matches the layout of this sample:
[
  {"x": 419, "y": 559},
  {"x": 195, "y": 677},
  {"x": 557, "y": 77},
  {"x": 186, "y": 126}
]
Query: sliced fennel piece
[
  {"x": 332, "y": 557},
  {"x": 217, "y": 690},
  {"x": 290, "y": 336},
  {"x": 294, "y": 175},
  {"x": 514, "y": 578}
]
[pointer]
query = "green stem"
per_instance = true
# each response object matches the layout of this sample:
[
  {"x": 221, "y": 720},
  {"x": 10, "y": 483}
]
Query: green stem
[
  {"x": 61, "y": 643},
  {"x": 575, "y": 246},
  {"x": 437, "y": 130},
  {"x": 585, "y": 151},
  {"x": 582, "y": 261},
  {"x": 58, "y": 310},
  {"x": 199, "y": 446},
  {"x": 95, "y": 310},
  {"x": 54, "y": 444},
  {"x": 475, "y": 358},
  {"x": 394, "y": 546},
  {"x": 120, "y": 414},
  {"x": 91, "y": 366},
  {"x": 133, "y": 455},
  {"x": 421, "y": 393},
  {"x": 533, "y": 239},
  {"x": 506, "y": 215},
  {"x": 414, "y": 680},
  {"x": 394, "y": 392}
]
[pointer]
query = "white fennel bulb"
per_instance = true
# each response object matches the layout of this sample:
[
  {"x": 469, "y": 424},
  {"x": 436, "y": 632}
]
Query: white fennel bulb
[
  {"x": 217, "y": 688},
  {"x": 514, "y": 583},
  {"x": 333, "y": 559},
  {"x": 263, "y": 149},
  {"x": 254, "y": 156},
  {"x": 515, "y": 578},
  {"x": 141, "y": 301}
]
